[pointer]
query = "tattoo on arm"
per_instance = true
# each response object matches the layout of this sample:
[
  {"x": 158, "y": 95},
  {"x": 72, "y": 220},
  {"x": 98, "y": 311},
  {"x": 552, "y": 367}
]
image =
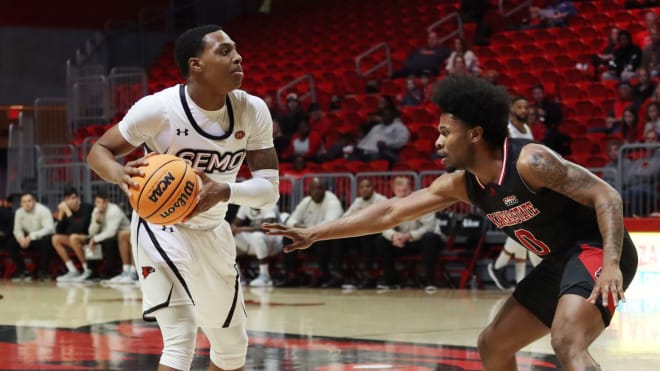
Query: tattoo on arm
[{"x": 563, "y": 177}]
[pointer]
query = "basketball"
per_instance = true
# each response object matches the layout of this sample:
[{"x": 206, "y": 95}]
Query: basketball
[{"x": 168, "y": 191}]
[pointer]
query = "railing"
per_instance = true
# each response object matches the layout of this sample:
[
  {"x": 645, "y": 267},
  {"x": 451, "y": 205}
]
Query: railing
[
  {"x": 310, "y": 93},
  {"x": 448, "y": 18},
  {"x": 386, "y": 62},
  {"x": 507, "y": 13}
]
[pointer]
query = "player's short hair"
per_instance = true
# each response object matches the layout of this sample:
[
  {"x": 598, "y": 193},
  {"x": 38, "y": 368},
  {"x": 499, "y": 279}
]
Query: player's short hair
[
  {"x": 476, "y": 102},
  {"x": 190, "y": 44}
]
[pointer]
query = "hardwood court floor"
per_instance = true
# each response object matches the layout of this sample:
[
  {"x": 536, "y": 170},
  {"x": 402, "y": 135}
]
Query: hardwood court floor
[{"x": 89, "y": 327}]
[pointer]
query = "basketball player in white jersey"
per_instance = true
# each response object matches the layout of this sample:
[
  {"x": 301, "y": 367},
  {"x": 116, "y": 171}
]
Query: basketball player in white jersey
[
  {"x": 518, "y": 128},
  {"x": 187, "y": 271}
]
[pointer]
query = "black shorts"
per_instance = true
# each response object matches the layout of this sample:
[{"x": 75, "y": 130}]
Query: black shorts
[{"x": 573, "y": 272}]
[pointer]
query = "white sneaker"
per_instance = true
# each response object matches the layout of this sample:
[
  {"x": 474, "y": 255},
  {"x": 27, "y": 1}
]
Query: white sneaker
[
  {"x": 261, "y": 281},
  {"x": 83, "y": 276},
  {"x": 68, "y": 277},
  {"x": 125, "y": 279}
]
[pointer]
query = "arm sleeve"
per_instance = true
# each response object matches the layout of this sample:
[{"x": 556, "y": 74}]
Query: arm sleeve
[
  {"x": 143, "y": 121},
  {"x": 261, "y": 191},
  {"x": 110, "y": 226}
]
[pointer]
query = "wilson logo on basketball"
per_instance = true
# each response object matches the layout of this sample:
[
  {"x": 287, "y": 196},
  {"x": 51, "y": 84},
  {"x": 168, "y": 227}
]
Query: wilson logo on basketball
[
  {"x": 182, "y": 200},
  {"x": 239, "y": 134},
  {"x": 161, "y": 187}
]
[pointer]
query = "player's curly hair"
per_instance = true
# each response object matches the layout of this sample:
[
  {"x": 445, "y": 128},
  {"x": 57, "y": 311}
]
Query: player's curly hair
[
  {"x": 476, "y": 102},
  {"x": 189, "y": 45}
]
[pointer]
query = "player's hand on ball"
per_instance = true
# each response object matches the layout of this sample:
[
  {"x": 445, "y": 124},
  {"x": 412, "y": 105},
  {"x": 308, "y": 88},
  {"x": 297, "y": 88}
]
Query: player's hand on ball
[
  {"x": 210, "y": 194},
  {"x": 610, "y": 282},
  {"x": 131, "y": 169},
  {"x": 300, "y": 236}
]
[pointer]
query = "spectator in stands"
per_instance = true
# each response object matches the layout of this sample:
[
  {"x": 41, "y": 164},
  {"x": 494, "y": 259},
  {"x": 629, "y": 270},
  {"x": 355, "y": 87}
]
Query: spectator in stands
[
  {"x": 364, "y": 244},
  {"x": 251, "y": 239},
  {"x": 606, "y": 54},
  {"x": 73, "y": 219},
  {"x": 109, "y": 230},
  {"x": 33, "y": 229},
  {"x": 651, "y": 53},
  {"x": 280, "y": 142},
  {"x": 556, "y": 15},
  {"x": 335, "y": 103},
  {"x": 491, "y": 76},
  {"x": 615, "y": 116},
  {"x": 538, "y": 127},
  {"x": 426, "y": 59},
  {"x": 384, "y": 140},
  {"x": 470, "y": 61},
  {"x": 612, "y": 149},
  {"x": 643, "y": 38},
  {"x": 549, "y": 111},
  {"x": 386, "y": 101},
  {"x": 629, "y": 126},
  {"x": 627, "y": 59},
  {"x": 414, "y": 95},
  {"x": 640, "y": 180},
  {"x": 298, "y": 168},
  {"x": 272, "y": 107},
  {"x": 295, "y": 113},
  {"x": 304, "y": 143},
  {"x": 342, "y": 148},
  {"x": 643, "y": 89},
  {"x": 652, "y": 118},
  {"x": 416, "y": 236},
  {"x": 458, "y": 67},
  {"x": 319, "y": 206}
]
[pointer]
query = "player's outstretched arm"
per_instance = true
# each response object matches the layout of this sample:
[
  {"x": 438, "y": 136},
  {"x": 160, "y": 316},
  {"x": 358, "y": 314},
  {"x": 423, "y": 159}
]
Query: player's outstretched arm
[
  {"x": 542, "y": 168},
  {"x": 442, "y": 193},
  {"x": 102, "y": 160}
]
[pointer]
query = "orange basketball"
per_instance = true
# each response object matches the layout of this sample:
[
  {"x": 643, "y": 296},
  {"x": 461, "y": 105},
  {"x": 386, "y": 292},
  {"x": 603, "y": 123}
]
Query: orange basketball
[{"x": 168, "y": 191}]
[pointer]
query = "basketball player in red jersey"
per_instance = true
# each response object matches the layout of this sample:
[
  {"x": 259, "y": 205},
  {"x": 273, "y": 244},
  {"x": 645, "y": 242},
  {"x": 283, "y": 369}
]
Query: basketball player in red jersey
[
  {"x": 188, "y": 270},
  {"x": 555, "y": 208}
]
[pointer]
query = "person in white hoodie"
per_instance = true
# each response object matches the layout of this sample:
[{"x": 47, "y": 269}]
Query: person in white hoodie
[{"x": 33, "y": 229}]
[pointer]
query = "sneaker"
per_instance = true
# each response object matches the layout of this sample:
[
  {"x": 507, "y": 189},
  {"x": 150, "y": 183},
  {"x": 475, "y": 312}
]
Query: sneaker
[
  {"x": 429, "y": 289},
  {"x": 22, "y": 277},
  {"x": 497, "y": 275},
  {"x": 83, "y": 276},
  {"x": 68, "y": 277},
  {"x": 261, "y": 281}
]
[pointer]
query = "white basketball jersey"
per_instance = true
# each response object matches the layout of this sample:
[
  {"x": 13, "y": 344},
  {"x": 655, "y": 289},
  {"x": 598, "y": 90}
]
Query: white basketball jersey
[
  {"x": 515, "y": 133},
  {"x": 213, "y": 141}
]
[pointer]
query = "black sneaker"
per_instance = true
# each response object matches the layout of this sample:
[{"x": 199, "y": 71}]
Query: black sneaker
[
  {"x": 498, "y": 276},
  {"x": 22, "y": 277}
]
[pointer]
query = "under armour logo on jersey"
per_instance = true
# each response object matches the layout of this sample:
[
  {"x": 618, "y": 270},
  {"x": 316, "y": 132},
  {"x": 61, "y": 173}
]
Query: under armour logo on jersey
[
  {"x": 164, "y": 228},
  {"x": 184, "y": 132},
  {"x": 147, "y": 270}
]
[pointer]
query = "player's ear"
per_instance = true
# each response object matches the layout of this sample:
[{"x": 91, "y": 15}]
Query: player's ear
[
  {"x": 195, "y": 64},
  {"x": 476, "y": 133}
]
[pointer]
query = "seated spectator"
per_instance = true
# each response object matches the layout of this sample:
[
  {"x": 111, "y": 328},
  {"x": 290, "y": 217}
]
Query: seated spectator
[
  {"x": 470, "y": 61},
  {"x": 414, "y": 95},
  {"x": 627, "y": 59},
  {"x": 73, "y": 219},
  {"x": 319, "y": 206},
  {"x": 294, "y": 114},
  {"x": 109, "y": 230},
  {"x": 643, "y": 38},
  {"x": 458, "y": 67},
  {"x": 652, "y": 118},
  {"x": 606, "y": 54},
  {"x": 384, "y": 140},
  {"x": 651, "y": 53},
  {"x": 549, "y": 111},
  {"x": 342, "y": 148},
  {"x": 33, "y": 229},
  {"x": 415, "y": 236},
  {"x": 298, "y": 168},
  {"x": 280, "y": 141},
  {"x": 640, "y": 180},
  {"x": 614, "y": 126},
  {"x": 644, "y": 88},
  {"x": 612, "y": 151},
  {"x": 535, "y": 124},
  {"x": 304, "y": 143},
  {"x": 251, "y": 239},
  {"x": 615, "y": 115},
  {"x": 629, "y": 126},
  {"x": 427, "y": 59},
  {"x": 364, "y": 244},
  {"x": 556, "y": 15}
]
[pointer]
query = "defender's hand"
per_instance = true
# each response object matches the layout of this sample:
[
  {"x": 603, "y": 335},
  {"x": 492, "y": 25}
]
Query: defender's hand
[{"x": 299, "y": 236}]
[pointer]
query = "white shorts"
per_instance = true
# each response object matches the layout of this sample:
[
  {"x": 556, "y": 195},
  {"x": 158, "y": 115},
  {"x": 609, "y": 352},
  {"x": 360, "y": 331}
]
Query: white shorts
[{"x": 177, "y": 266}]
